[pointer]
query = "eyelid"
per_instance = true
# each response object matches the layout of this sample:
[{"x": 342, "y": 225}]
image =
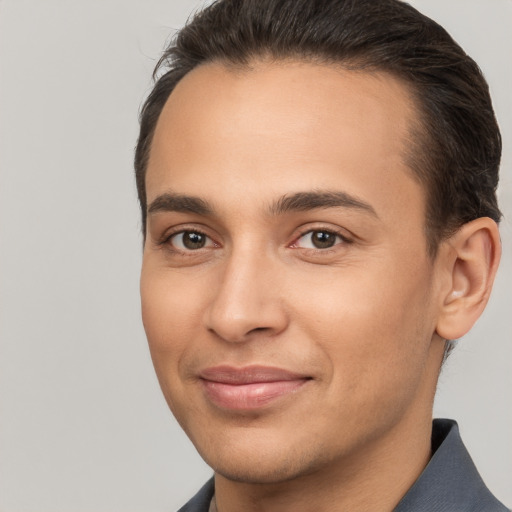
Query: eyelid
[
  {"x": 208, "y": 241},
  {"x": 166, "y": 238},
  {"x": 337, "y": 232}
]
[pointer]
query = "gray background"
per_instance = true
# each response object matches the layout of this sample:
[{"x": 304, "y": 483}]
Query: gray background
[{"x": 83, "y": 426}]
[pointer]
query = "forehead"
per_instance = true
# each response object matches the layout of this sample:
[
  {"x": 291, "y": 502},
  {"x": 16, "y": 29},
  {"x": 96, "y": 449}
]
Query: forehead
[{"x": 281, "y": 127}]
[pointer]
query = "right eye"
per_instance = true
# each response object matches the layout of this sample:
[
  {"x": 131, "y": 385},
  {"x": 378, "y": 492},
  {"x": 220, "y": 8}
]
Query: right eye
[{"x": 190, "y": 241}]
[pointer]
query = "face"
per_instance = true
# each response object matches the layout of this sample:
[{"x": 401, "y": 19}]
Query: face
[{"x": 287, "y": 294}]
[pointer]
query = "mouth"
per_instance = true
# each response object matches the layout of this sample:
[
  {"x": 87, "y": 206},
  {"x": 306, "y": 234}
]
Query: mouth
[{"x": 250, "y": 387}]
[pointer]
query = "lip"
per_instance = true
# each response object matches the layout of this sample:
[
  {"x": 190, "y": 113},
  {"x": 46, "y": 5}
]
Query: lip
[{"x": 250, "y": 387}]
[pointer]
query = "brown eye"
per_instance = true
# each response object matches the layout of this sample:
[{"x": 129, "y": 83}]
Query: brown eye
[
  {"x": 319, "y": 239},
  {"x": 190, "y": 240},
  {"x": 323, "y": 239}
]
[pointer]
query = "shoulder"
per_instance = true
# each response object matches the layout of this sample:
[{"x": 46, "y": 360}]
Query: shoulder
[
  {"x": 201, "y": 501},
  {"x": 450, "y": 481}
]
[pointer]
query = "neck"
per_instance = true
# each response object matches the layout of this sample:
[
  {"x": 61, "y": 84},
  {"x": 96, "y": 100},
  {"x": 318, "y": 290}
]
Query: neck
[{"x": 376, "y": 479}]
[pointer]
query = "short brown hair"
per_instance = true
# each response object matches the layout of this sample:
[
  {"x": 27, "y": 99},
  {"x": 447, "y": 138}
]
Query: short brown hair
[{"x": 456, "y": 153}]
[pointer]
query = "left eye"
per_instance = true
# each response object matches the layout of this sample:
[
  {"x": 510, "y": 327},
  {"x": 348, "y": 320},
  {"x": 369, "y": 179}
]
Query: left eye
[
  {"x": 190, "y": 240},
  {"x": 318, "y": 239}
]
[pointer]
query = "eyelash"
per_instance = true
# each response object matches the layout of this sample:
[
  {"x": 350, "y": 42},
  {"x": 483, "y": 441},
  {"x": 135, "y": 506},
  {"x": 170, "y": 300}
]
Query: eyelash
[
  {"x": 338, "y": 234},
  {"x": 166, "y": 240}
]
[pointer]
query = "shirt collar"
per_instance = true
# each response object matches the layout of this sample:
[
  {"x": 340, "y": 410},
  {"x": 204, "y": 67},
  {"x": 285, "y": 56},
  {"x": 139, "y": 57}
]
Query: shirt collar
[{"x": 450, "y": 481}]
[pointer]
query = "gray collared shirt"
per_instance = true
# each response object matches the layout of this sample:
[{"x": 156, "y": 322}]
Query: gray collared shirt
[{"x": 449, "y": 483}]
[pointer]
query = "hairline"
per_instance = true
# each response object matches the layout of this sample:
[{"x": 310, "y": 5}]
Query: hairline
[{"x": 415, "y": 143}]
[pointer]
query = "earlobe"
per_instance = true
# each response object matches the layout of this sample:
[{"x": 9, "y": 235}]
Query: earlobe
[{"x": 472, "y": 256}]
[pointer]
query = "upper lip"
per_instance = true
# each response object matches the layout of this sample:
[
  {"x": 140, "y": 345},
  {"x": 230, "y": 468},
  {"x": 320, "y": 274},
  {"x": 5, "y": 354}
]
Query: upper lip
[{"x": 226, "y": 374}]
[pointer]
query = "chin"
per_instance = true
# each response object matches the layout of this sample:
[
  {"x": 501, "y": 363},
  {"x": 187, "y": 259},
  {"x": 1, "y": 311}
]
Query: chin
[
  {"x": 256, "y": 471},
  {"x": 261, "y": 463}
]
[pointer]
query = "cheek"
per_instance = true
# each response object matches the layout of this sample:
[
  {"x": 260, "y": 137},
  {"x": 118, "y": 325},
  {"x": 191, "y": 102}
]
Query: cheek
[
  {"x": 374, "y": 327},
  {"x": 377, "y": 350},
  {"x": 170, "y": 303},
  {"x": 171, "y": 315}
]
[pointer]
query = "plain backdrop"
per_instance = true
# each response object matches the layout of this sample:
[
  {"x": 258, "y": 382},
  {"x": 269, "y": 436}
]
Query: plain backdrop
[{"x": 83, "y": 425}]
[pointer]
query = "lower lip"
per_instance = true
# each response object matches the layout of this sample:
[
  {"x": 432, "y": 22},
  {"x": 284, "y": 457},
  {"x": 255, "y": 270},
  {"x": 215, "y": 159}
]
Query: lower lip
[{"x": 249, "y": 396}]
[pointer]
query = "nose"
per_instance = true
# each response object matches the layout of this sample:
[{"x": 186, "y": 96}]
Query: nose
[{"x": 247, "y": 300}]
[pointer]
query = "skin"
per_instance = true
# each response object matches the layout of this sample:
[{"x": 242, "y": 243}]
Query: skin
[{"x": 363, "y": 320}]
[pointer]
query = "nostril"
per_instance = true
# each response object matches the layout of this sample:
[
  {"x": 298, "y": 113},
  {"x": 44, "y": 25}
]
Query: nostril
[
  {"x": 240, "y": 313},
  {"x": 259, "y": 329}
]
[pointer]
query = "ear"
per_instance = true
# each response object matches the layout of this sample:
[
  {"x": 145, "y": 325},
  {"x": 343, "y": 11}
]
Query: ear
[{"x": 471, "y": 257}]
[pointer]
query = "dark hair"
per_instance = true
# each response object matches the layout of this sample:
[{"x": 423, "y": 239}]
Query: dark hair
[{"x": 456, "y": 151}]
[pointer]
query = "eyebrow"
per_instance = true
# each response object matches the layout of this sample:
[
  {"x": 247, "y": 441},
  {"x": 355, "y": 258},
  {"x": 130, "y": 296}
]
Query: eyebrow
[
  {"x": 170, "y": 202},
  {"x": 297, "y": 202},
  {"x": 304, "y": 201}
]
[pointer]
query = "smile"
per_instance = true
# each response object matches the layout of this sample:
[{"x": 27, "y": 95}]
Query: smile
[{"x": 248, "y": 388}]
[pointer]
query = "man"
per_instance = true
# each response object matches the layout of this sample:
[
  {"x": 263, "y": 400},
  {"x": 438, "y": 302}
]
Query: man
[{"x": 317, "y": 183}]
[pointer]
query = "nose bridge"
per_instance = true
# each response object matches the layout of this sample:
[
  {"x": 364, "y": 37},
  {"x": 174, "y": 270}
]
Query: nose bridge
[{"x": 247, "y": 297}]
